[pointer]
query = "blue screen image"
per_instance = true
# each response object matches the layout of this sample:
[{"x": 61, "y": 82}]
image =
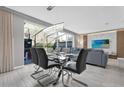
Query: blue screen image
[{"x": 100, "y": 43}]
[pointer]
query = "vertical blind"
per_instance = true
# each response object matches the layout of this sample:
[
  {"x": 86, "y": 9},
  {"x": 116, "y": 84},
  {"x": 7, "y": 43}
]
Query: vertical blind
[{"x": 6, "y": 41}]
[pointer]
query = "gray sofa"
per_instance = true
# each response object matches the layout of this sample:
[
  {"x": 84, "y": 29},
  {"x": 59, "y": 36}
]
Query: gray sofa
[{"x": 97, "y": 57}]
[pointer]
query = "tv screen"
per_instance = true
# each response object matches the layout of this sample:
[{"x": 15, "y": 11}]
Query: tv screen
[{"x": 104, "y": 43}]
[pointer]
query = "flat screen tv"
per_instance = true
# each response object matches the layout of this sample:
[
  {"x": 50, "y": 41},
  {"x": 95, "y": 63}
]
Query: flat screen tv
[{"x": 104, "y": 43}]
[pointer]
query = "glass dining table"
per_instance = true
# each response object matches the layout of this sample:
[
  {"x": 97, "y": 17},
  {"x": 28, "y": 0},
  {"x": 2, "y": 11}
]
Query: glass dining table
[{"x": 63, "y": 58}]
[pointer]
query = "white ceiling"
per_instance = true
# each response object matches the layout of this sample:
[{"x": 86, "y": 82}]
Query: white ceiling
[{"x": 79, "y": 19}]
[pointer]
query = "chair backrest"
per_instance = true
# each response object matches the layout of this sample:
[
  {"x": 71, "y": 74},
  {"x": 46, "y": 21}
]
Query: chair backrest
[
  {"x": 34, "y": 56},
  {"x": 81, "y": 61},
  {"x": 42, "y": 57}
]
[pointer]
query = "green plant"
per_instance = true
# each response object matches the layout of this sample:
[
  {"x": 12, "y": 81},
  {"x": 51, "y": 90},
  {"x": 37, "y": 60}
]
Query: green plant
[
  {"x": 39, "y": 45},
  {"x": 49, "y": 45}
]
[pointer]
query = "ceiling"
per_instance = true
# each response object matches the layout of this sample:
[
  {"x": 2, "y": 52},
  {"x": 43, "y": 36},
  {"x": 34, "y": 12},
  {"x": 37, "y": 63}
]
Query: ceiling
[{"x": 79, "y": 19}]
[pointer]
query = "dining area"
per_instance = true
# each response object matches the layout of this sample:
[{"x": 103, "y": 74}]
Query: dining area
[{"x": 51, "y": 68}]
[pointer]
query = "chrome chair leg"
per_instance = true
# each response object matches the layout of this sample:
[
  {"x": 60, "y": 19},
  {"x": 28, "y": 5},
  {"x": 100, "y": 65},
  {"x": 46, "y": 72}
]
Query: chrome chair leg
[
  {"x": 45, "y": 75},
  {"x": 70, "y": 75},
  {"x": 50, "y": 73},
  {"x": 58, "y": 77},
  {"x": 78, "y": 81},
  {"x": 63, "y": 78},
  {"x": 36, "y": 72}
]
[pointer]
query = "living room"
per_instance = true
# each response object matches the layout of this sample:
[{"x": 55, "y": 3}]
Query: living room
[{"x": 66, "y": 31}]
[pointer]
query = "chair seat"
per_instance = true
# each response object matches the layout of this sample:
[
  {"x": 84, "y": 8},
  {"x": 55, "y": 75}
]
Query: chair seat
[
  {"x": 52, "y": 64},
  {"x": 71, "y": 66}
]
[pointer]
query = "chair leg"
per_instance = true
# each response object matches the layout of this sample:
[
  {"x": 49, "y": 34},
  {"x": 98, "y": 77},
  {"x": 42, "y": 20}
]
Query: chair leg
[
  {"x": 40, "y": 77},
  {"x": 59, "y": 74},
  {"x": 70, "y": 74},
  {"x": 45, "y": 75},
  {"x": 32, "y": 75},
  {"x": 80, "y": 82},
  {"x": 63, "y": 78},
  {"x": 50, "y": 82},
  {"x": 36, "y": 72}
]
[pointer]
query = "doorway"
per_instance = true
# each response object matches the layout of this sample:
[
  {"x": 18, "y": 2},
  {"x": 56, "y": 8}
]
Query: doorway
[{"x": 30, "y": 29}]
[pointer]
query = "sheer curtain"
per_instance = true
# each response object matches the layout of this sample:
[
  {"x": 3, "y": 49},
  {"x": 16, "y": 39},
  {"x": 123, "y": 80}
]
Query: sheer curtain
[{"x": 6, "y": 41}]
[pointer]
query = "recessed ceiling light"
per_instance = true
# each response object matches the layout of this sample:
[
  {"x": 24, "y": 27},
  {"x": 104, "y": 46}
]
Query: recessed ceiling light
[{"x": 49, "y": 8}]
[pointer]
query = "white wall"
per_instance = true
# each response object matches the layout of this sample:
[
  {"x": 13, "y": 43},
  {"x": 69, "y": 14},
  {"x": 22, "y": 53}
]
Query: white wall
[
  {"x": 112, "y": 36},
  {"x": 18, "y": 41}
]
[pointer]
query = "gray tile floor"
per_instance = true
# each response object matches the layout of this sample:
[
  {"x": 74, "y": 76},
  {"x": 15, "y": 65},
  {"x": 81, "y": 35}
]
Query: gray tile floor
[{"x": 112, "y": 76}]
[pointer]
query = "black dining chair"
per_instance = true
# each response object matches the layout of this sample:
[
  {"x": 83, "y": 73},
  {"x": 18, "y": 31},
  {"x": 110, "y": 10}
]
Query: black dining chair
[
  {"x": 76, "y": 67},
  {"x": 45, "y": 63},
  {"x": 34, "y": 58}
]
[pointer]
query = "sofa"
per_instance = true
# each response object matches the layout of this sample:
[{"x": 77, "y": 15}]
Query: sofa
[{"x": 97, "y": 57}]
